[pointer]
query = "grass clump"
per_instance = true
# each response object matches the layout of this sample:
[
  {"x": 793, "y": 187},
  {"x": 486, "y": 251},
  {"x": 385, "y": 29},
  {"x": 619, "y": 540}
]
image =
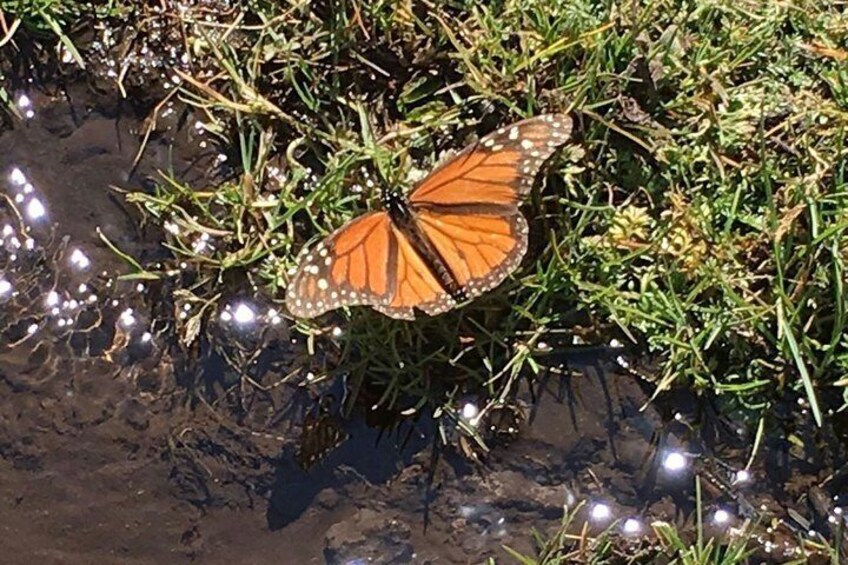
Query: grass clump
[
  {"x": 53, "y": 18},
  {"x": 577, "y": 541},
  {"x": 700, "y": 210}
]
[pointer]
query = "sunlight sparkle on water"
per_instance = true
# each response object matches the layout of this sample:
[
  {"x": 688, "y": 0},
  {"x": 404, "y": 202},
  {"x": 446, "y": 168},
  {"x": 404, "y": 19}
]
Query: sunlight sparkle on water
[
  {"x": 721, "y": 516},
  {"x": 600, "y": 512},
  {"x": 244, "y": 314},
  {"x": 274, "y": 316},
  {"x": 337, "y": 332},
  {"x": 743, "y": 476},
  {"x": 35, "y": 209},
  {"x": 146, "y": 337},
  {"x": 127, "y": 318},
  {"x": 631, "y": 526},
  {"x": 17, "y": 177},
  {"x": 674, "y": 462},
  {"x": 8, "y": 230},
  {"x": 79, "y": 259},
  {"x": 25, "y": 104},
  {"x": 52, "y": 298},
  {"x": 5, "y": 287},
  {"x": 470, "y": 411}
]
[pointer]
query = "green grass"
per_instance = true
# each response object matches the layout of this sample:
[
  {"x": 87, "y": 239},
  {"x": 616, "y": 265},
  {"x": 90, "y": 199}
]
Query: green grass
[
  {"x": 700, "y": 211},
  {"x": 43, "y": 21},
  {"x": 53, "y": 18},
  {"x": 577, "y": 541}
]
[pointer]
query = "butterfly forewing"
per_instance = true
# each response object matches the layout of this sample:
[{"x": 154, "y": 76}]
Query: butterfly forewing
[
  {"x": 497, "y": 170},
  {"x": 366, "y": 262}
]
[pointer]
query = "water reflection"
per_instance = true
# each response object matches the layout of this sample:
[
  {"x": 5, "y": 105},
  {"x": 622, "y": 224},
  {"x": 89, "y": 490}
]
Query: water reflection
[
  {"x": 675, "y": 462},
  {"x": 600, "y": 513},
  {"x": 244, "y": 314},
  {"x": 79, "y": 260},
  {"x": 35, "y": 210}
]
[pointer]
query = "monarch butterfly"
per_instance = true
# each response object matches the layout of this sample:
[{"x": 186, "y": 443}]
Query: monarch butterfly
[{"x": 458, "y": 234}]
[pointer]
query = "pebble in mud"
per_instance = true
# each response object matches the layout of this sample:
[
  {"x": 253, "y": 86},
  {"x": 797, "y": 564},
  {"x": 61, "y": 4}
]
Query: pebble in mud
[
  {"x": 134, "y": 413},
  {"x": 368, "y": 537}
]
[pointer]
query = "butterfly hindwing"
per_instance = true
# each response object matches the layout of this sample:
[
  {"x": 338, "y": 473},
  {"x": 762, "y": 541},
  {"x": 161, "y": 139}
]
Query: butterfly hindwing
[
  {"x": 349, "y": 267},
  {"x": 479, "y": 249},
  {"x": 415, "y": 285}
]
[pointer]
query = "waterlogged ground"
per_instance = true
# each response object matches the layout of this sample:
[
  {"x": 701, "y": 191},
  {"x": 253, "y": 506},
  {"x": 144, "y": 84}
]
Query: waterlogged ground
[{"x": 118, "y": 444}]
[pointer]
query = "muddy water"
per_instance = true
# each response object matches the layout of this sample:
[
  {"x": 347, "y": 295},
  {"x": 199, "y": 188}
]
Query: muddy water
[{"x": 108, "y": 454}]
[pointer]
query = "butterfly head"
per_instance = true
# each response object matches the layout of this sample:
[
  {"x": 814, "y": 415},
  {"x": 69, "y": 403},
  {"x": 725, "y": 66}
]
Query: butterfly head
[{"x": 395, "y": 204}]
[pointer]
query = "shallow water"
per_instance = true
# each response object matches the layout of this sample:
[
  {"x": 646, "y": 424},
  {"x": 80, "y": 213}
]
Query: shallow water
[{"x": 106, "y": 455}]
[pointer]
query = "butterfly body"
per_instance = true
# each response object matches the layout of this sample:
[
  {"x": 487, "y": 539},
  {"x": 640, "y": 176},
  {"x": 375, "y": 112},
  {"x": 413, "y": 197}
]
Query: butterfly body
[
  {"x": 405, "y": 218},
  {"x": 458, "y": 234}
]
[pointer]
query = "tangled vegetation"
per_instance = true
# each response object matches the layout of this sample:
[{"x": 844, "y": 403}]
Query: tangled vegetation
[{"x": 700, "y": 211}]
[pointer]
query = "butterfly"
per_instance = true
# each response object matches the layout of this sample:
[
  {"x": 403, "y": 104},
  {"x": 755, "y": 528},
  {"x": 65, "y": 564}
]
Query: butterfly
[{"x": 458, "y": 234}]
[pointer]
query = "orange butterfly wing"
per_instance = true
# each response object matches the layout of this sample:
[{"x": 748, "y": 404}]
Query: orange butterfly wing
[
  {"x": 368, "y": 261},
  {"x": 480, "y": 250},
  {"x": 346, "y": 269},
  {"x": 414, "y": 285},
  {"x": 497, "y": 170},
  {"x": 466, "y": 208}
]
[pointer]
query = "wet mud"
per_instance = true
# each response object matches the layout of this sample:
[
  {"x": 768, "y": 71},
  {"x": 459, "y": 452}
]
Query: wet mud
[{"x": 119, "y": 445}]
